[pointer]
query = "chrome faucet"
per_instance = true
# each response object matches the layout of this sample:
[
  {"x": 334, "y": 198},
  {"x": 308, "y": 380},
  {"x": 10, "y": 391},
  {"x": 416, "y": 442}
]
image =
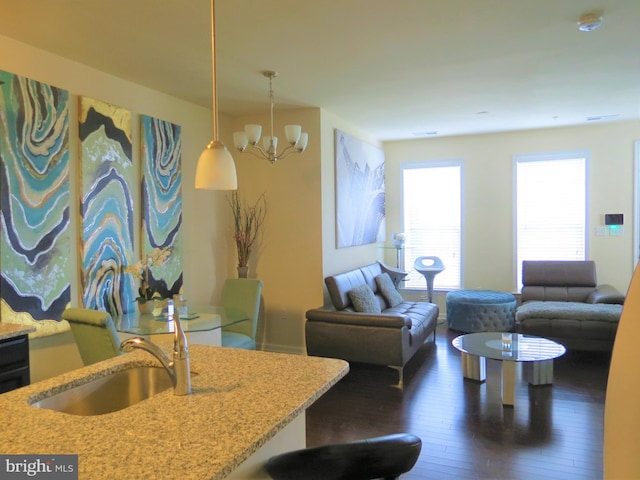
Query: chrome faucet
[{"x": 178, "y": 368}]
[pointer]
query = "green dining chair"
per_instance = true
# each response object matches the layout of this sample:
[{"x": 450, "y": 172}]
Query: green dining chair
[
  {"x": 94, "y": 333},
  {"x": 241, "y": 299}
]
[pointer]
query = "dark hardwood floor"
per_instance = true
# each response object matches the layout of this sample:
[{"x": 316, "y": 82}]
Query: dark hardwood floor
[{"x": 553, "y": 432}]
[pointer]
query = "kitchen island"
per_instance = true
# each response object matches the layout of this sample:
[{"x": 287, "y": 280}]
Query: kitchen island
[
  {"x": 14, "y": 356},
  {"x": 245, "y": 406},
  {"x": 10, "y": 330}
]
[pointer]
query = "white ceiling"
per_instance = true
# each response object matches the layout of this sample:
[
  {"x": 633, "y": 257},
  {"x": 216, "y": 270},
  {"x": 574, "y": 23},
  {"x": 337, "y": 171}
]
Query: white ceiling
[{"x": 394, "y": 68}]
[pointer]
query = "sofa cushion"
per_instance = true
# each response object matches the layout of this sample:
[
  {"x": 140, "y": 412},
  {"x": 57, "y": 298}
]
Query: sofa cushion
[
  {"x": 576, "y": 325},
  {"x": 569, "y": 310},
  {"x": 557, "y": 280},
  {"x": 421, "y": 315},
  {"x": 388, "y": 290},
  {"x": 364, "y": 300},
  {"x": 339, "y": 285}
]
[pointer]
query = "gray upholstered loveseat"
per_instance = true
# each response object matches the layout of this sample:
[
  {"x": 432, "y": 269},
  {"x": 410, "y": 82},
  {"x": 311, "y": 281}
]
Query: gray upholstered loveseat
[
  {"x": 561, "y": 300},
  {"x": 390, "y": 335}
]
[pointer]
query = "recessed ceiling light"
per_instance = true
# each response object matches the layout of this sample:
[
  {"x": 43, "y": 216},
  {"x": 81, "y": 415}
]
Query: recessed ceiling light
[
  {"x": 430, "y": 133},
  {"x": 589, "y": 22},
  {"x": 483, "y": 112},
  {"x": 598, "y": 118}
]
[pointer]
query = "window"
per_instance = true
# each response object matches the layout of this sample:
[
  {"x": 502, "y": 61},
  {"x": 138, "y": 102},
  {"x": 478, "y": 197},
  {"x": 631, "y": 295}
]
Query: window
[
  {"x": 551, "y": 207},
  {"x": 432, "y": 219}
]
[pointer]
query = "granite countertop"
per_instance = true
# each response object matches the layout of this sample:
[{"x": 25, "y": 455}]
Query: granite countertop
[
  {"x": 11, "y": 330},
  {"x": 240, "y": 400}
]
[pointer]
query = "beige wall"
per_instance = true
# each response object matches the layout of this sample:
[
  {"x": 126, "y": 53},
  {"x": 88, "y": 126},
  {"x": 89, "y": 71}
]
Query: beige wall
[
  {"x": 289, "y": 262},
  {"x": 488, "y": 216},
  {"x": 335, "y": 260},
  {"x": 289, "y": 259},
  {"x": 205, "y": 243},
  {"x": 203, "y": 270},
  {"x": 299, "y": 244}
]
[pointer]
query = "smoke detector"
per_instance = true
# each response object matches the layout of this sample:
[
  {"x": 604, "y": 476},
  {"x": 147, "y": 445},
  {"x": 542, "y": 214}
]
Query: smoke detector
[{"x": 589, "y": 22}]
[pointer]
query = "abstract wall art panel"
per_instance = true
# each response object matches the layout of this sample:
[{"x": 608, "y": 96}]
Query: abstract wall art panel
[
  {"x": 106, "y": 206},
  {"x": 162, "y": 201},
  {"x": 360, "y": 193},
  {"x": 34, "y": 199}
]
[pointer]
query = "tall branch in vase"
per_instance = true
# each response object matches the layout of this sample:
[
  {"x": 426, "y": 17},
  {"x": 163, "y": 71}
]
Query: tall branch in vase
[{"x": 248, "y": 221}]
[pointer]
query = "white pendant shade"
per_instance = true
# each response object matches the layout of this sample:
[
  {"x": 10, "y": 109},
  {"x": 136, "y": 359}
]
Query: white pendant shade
[
  {"x": 254, "y": 132},
  {"x": 292, "y": 133},
  {"x": 302, "y": 143},
  {"x": 216, "y": 169},
  {"x": 240, "y": 140}
]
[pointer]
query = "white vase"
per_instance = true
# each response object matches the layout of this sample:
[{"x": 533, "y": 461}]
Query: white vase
[
  {"x": 159, "y": 304},
  {"x": 145, "y": 307}
]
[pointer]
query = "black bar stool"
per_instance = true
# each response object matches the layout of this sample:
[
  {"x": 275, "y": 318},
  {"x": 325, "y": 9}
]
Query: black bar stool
[{"x": 385, "y": 457}]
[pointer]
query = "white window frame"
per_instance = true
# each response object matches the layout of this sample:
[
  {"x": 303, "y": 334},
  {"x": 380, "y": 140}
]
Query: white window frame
[
  {"x": 433, "y": 164},
  {"x": 540, "y": 157}
]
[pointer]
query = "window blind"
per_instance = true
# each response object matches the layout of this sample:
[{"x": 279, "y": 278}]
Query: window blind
[
  {"x": 551, "y": 209},
  {"x": 432, "y": 220}
]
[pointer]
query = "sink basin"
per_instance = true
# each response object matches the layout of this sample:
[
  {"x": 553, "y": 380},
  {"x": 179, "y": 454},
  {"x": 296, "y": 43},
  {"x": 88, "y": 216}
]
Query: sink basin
[{"x": 108, "y": 394}]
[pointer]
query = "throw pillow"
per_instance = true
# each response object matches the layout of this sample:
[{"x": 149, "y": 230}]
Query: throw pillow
[
  {"x": 388, "y": 290},
  {"x": 364, "y": 300}
]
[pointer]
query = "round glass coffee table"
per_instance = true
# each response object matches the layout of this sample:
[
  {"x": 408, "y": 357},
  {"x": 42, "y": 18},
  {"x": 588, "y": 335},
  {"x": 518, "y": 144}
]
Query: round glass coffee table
[{"x": 536, "y": 352}]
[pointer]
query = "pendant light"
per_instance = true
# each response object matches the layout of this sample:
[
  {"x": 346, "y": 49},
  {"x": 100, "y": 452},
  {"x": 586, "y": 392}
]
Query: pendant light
[{"x": 216, "y": 169}]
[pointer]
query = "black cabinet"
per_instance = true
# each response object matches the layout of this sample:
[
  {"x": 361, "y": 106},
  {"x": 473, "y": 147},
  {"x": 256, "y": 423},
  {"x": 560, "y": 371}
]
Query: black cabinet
[{"x": 14, "y": 363}]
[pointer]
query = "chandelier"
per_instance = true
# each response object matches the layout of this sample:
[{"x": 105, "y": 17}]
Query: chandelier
[{"x": 296, "y": 138}]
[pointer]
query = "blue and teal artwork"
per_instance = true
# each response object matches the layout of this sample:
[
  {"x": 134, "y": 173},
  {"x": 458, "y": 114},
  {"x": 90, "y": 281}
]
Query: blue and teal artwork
[
  {"x": 162, "y": 201},
  {"x": 34, "y": 199},
  {"x": 106, "y": 206}
]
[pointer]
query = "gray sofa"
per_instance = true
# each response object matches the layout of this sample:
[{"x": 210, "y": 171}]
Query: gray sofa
[
  {"x": 561, "y": 300},
  {"x": 390, "y": 337}
]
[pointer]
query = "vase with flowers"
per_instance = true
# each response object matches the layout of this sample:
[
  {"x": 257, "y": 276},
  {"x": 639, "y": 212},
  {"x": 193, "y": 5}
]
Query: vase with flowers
[
  {"x": 248, "y": 222},
  {"x": 147, "y": 295}
]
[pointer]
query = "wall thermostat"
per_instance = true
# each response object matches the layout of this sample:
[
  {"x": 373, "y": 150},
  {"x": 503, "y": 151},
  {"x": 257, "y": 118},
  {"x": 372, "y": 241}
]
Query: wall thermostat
[{"x": 614, "y": 219}]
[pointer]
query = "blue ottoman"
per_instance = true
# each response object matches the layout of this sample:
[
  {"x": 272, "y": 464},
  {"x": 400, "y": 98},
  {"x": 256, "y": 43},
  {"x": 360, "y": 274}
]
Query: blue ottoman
[{"x": 481, "y": 311}]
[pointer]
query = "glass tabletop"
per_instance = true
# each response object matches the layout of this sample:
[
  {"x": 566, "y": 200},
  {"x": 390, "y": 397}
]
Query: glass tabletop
[
  {"x": 200, "y": 319},
  {"x": 509, "y": 346}
]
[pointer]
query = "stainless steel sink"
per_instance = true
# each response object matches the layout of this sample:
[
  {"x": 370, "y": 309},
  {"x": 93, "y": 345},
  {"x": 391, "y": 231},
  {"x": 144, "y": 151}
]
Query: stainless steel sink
[{"x": 111, "y": 393}]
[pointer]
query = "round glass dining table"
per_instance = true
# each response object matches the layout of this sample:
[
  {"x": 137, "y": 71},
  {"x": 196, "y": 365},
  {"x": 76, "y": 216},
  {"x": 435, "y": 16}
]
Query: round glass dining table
[{"x": 202, "y": 324}]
